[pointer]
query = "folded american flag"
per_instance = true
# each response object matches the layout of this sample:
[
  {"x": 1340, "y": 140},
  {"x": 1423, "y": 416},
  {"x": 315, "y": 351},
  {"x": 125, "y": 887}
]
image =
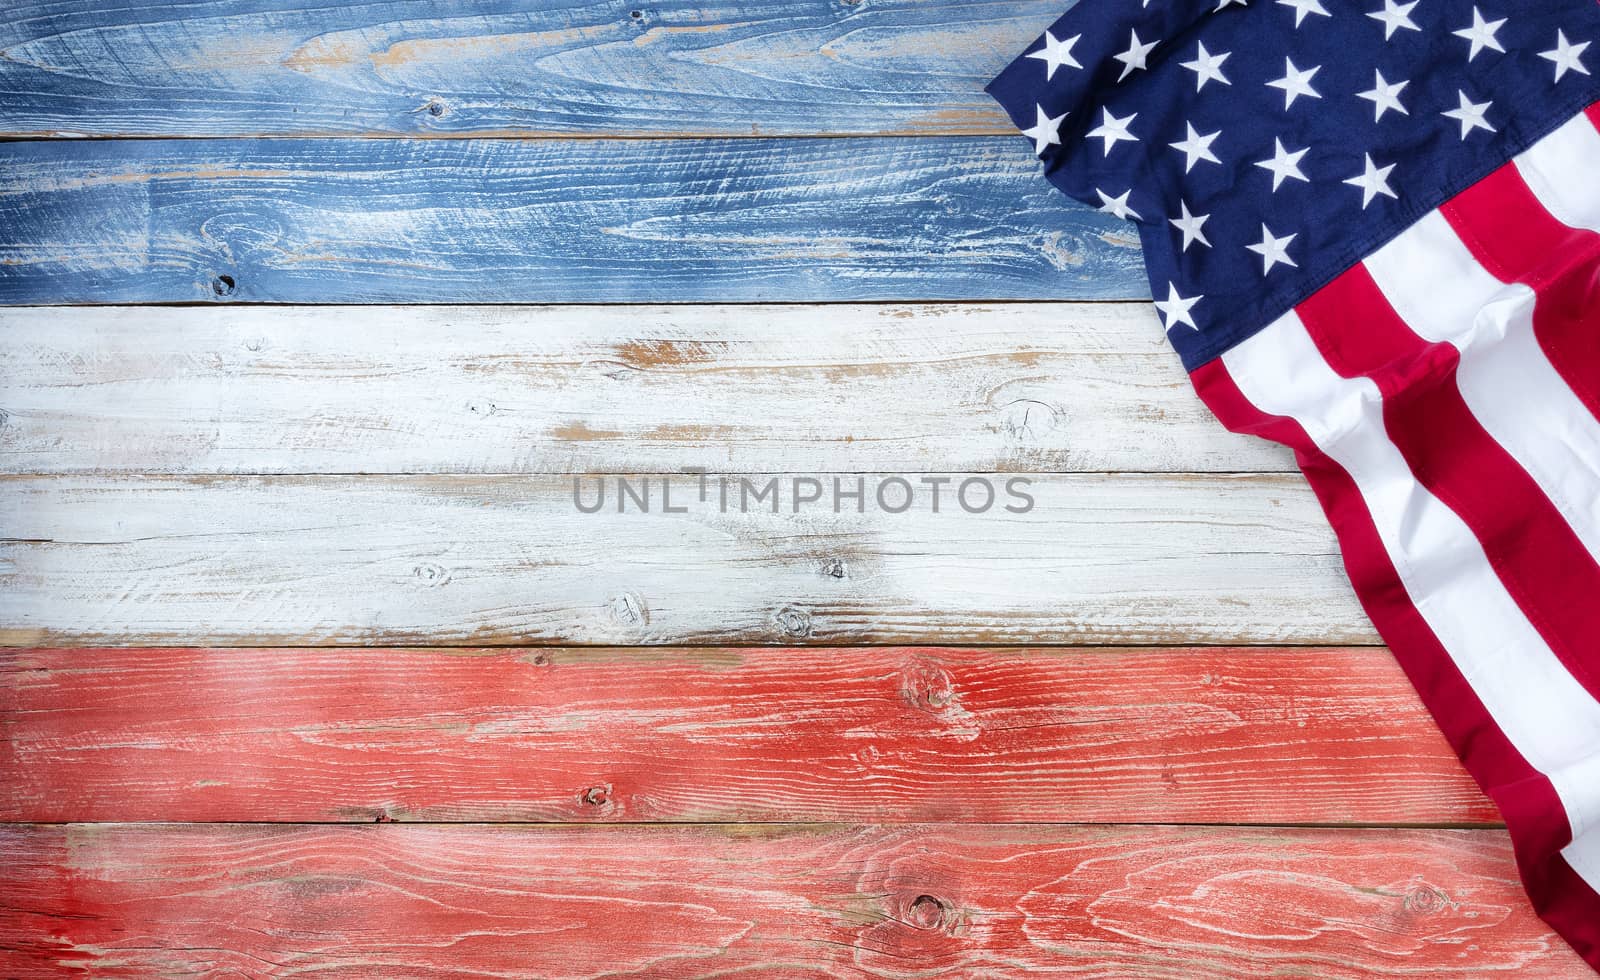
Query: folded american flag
[{"x": 1370, "y": 230}]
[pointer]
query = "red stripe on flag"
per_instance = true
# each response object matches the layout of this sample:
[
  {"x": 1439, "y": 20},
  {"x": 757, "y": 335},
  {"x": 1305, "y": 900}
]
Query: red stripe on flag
[
  {"x": 1530, "y": 545},
  {"x": 1563, "y": 899},
  {"x": 1512, "y": 235},
  {"x": 1533, "y": 812}
]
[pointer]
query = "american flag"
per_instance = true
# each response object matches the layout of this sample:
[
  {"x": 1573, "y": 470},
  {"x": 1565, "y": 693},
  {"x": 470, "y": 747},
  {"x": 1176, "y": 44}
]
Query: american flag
[{"x": 1371, "y": 234}]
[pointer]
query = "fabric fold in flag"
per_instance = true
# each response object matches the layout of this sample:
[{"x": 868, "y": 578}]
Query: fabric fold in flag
[{"x": 1372, "y": 232}]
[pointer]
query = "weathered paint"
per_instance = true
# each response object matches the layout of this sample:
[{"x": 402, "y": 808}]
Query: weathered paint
[
  {"x": 1013, "y": 387},
  {"x": 392, "y": 900},
  {"x": 1136, "y": 558},
  {"x": 143, "y": 536},
  {"x": 570, "y": 221},
  {"x": 509, "y": 67},
  {"x": 1299, "y": 736}
]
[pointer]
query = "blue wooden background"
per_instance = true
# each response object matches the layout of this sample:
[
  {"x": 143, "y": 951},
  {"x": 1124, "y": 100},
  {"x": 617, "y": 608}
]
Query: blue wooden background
[
  {"x": 924, "y": 208},
  {"x": 510, "y": 67}
]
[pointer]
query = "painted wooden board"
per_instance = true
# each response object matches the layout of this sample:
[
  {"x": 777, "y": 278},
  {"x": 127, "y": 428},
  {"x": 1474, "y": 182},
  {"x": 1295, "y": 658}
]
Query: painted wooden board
[
  {"x": 766, "y": 901},
  {"x": 522, "y": 68},
  {"x": 720, "y": 734},
  {"x": 512, "y": 67},
  {"x": 1010, "y": 387},
  {"x": 486, "y": 221},
  {"x": 446, "y": 560}
]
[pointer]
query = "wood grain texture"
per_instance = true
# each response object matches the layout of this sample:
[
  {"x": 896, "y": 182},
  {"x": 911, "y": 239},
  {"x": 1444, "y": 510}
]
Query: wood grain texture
[
  {"x": 719, "y": 734},
  {"x": 1014, "y": 387},
  {"x": 510, "y": 67},
  {"x": 768, "y": 901},
  {"x": 129, "y": 515},
  {"x": 361, "y": 221},
  {"x": 476, "y": 560}
]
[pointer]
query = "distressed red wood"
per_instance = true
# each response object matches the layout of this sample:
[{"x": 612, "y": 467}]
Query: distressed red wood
[
  {"x": 768, "y": 901},
  {"x": 649, "y": 734}
]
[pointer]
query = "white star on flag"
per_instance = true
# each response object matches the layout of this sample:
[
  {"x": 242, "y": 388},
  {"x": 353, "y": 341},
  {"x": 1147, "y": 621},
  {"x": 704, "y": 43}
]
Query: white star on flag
[
  {"x": 1303, "y": 8},
  {"x": 1046, "y": 130},
  {"x": 1395, "y": 16},
  {"x": 1284, "y": 165},
  {"x": 1273, "y": 250},
  {"x": 1175, "y": 309},
  {"x": 1055, "y": 53},
  {"x": 1384, "y": 97},
  {"x": 1196, "y": 148},
  {"x": 1117, "y": 205},
  {"x": 1471, "y": 115},
  {"x": 1135, "y": 56},
  {"x": 1566, "y": 55},
  {"x": 1112, "y": 129},
  {"x": 1481, "y": 34},
  {"x": 1295, "y": 83},
  {"x": 1373, "y": 182},
  {"x": 1208, "y": 67},
  {"x": 1190, "y": 225}
]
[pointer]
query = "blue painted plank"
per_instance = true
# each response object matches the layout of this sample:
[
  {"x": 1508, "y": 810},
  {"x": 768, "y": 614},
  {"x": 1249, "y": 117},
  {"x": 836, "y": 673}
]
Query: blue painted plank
[
  {"x": 508, "y": 67},
  {"x": 570, "y": 221}
]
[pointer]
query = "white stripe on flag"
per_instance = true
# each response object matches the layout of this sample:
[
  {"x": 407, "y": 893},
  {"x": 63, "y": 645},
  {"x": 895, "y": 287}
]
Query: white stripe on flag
[
  {"x": 1438, "y": 288},
  {"x": 1544, "y": 712},
  {"x": 1563, "y": 171}
]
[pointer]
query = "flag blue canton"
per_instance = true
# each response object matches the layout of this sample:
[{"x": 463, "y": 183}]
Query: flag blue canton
[{"x": 1263, "y": 147}]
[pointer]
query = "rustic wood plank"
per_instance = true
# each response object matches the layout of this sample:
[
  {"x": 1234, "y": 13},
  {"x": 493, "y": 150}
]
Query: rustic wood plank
[
  {"x": 445, "y": 560},
  {"x": 707, "y": 901},
  {"x": 1012, "y": 387},
  {"x": 509, "y": 67},
  {"x": 720, "y": 734},
  {"x": 332, "y": 221}
]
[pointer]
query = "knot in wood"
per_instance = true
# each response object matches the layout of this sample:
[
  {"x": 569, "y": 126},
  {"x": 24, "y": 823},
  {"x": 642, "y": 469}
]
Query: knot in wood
[
  {"x": 1028, "y": 420},
  {"x": 223, "y": 286},
  {"x": 628, "y": 611},
  {"x": 834, "y": 568},
  {"x": 597, "y": 795},
  {"x": 1426, "y": 899},
  {"x": 926, "y": 685},
  {"x": 793, "y": 622},
  {"x": 429, "y": 573},
  {"x": 927, "y": 912}
]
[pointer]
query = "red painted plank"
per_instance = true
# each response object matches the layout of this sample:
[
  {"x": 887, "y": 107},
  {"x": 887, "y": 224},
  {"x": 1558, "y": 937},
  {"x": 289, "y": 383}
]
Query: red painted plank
[
  {"x": 912, "y": 901},
  {"x": 818, "y": 734}
]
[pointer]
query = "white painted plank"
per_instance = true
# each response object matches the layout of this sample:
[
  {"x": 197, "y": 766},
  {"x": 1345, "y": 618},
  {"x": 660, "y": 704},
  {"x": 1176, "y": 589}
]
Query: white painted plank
[
  {"x": 1012, "y": 387},
  {"x": 460, "y": 559}
]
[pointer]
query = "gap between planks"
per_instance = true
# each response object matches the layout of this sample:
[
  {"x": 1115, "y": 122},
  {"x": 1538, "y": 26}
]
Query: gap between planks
[{"x": 998, "y": 130}]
